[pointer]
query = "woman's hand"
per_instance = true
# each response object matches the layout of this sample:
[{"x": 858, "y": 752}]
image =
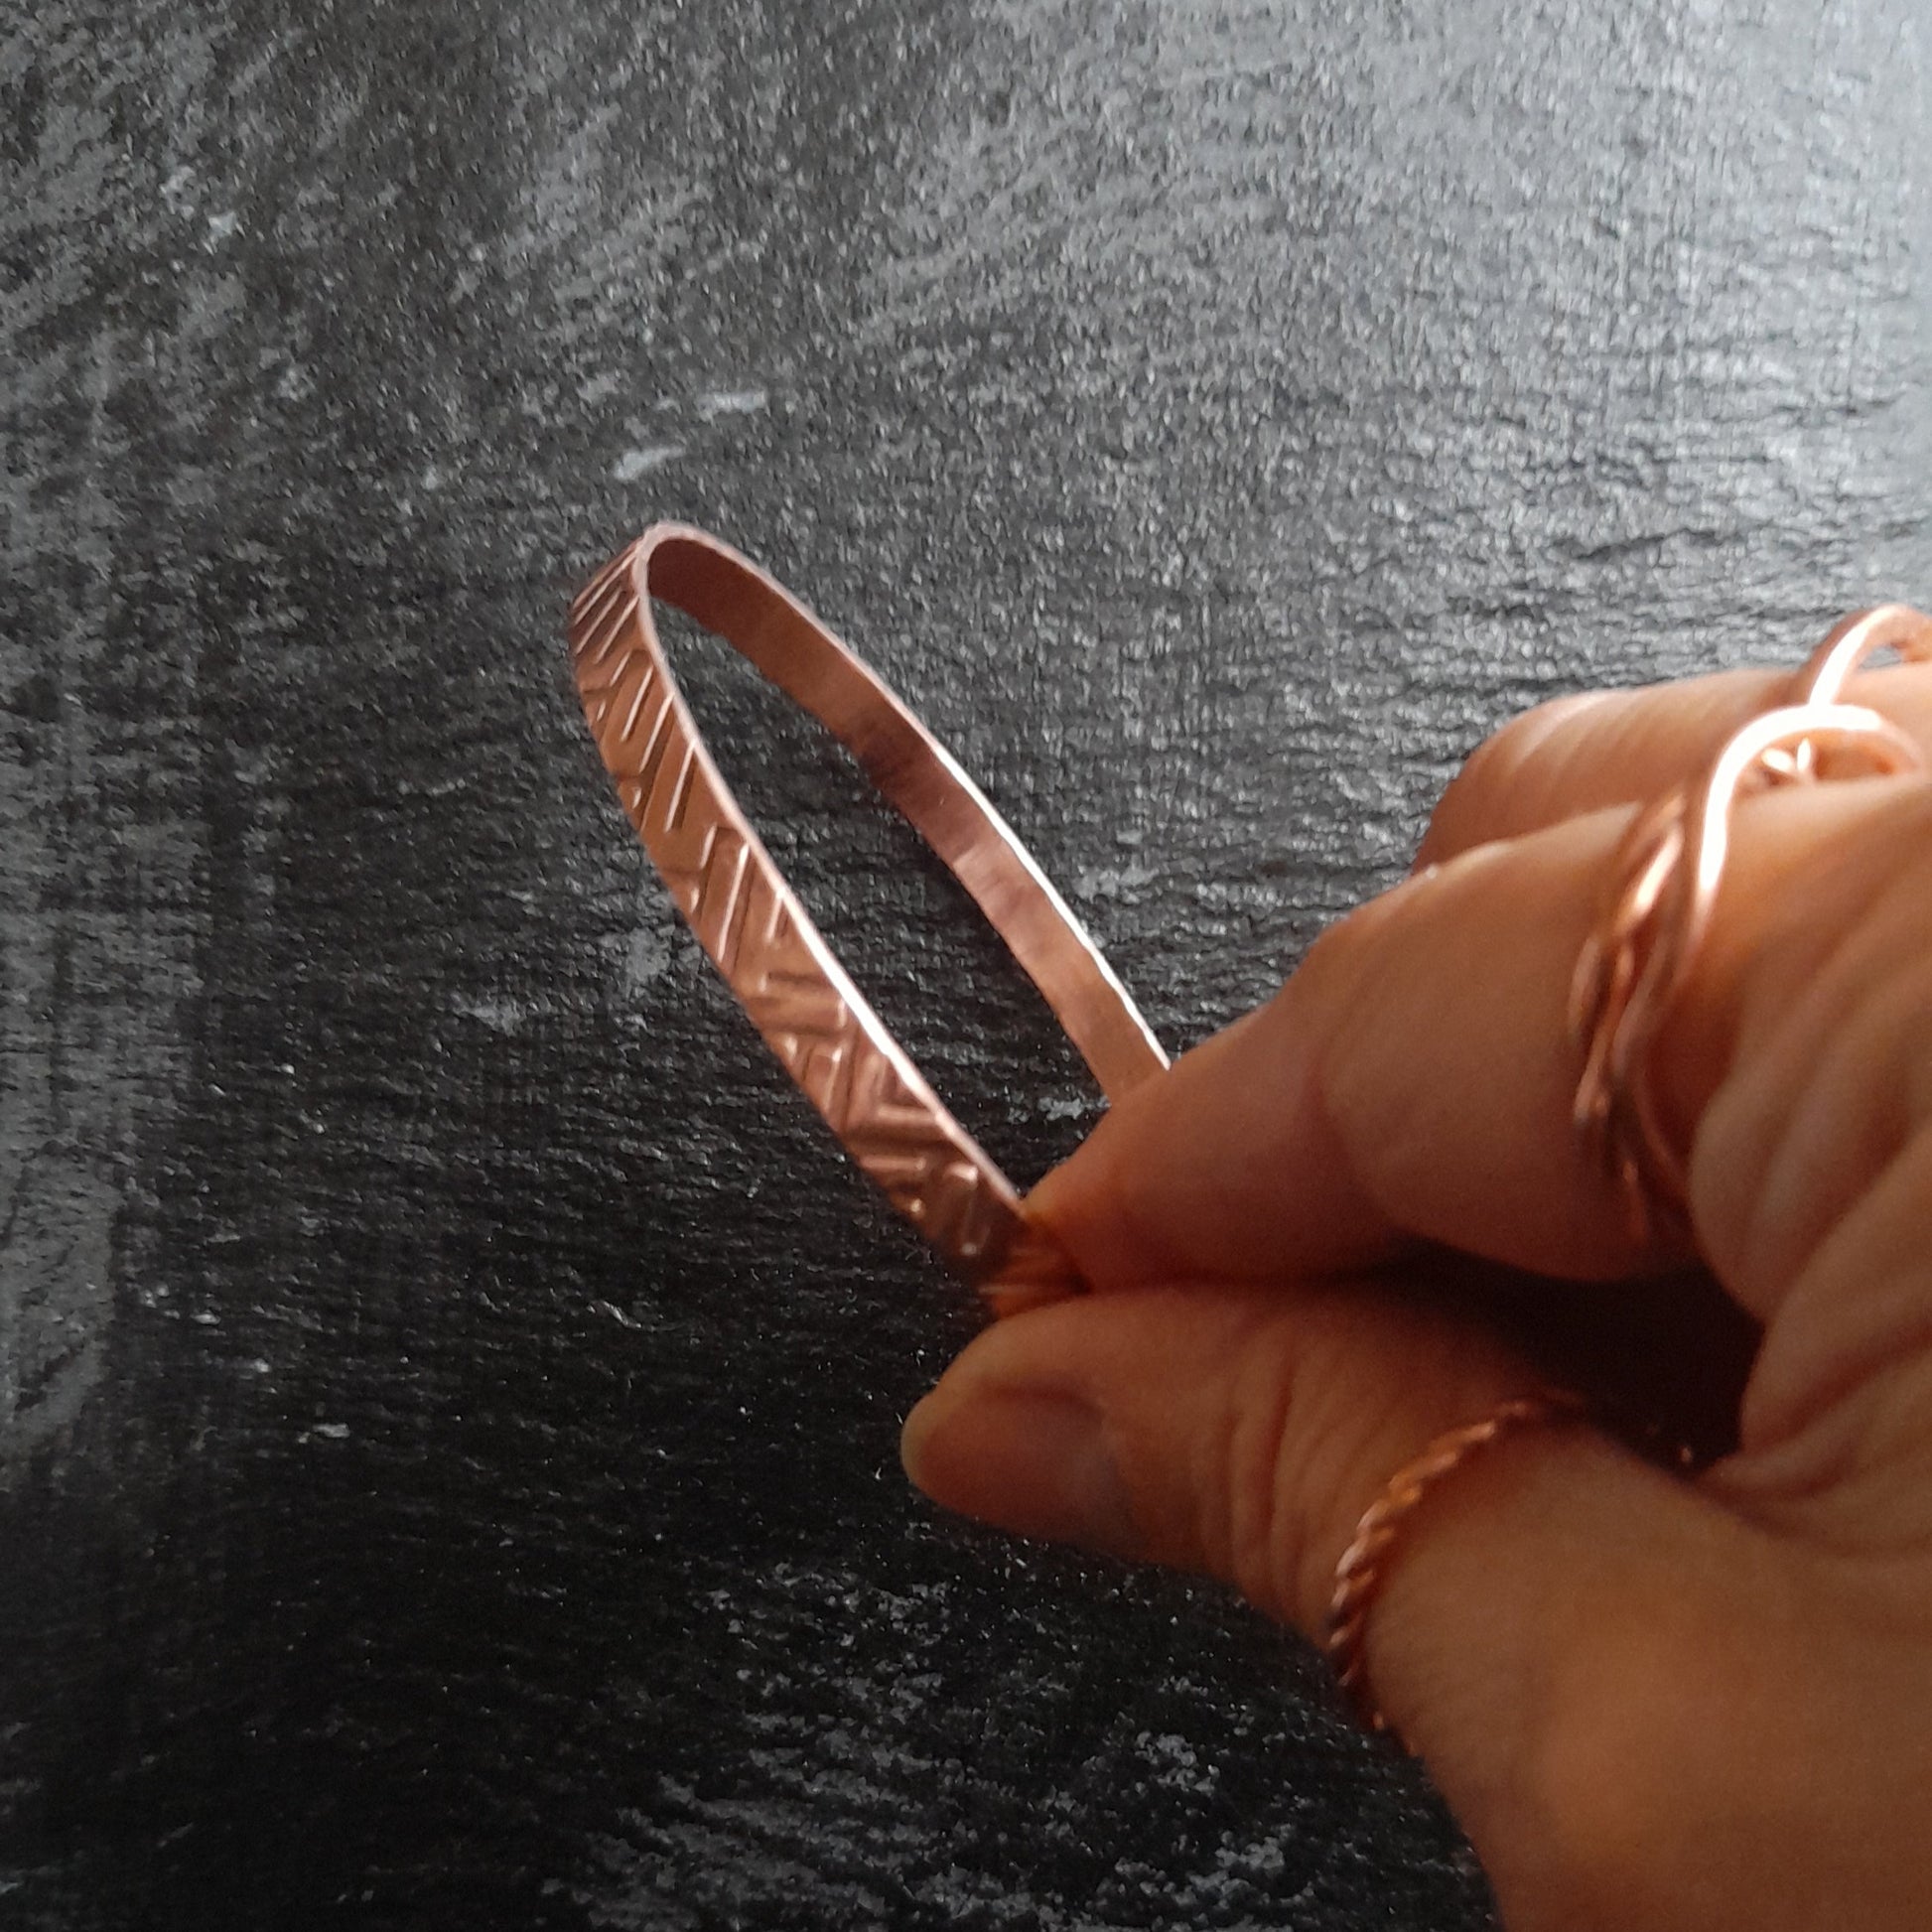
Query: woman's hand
[{"x": 1652, "y": 1701}]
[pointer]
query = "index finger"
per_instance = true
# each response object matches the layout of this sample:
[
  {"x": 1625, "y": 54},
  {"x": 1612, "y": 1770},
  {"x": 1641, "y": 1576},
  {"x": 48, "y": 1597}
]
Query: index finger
[
  {"x": 1414, "y": 1081},
  {"x": 1585, "y": 753},
  {"x": 1403, "y": 1084}
]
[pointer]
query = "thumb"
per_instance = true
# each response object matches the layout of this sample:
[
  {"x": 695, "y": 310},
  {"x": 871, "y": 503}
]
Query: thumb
[{"x": 1567, "y": 1635}]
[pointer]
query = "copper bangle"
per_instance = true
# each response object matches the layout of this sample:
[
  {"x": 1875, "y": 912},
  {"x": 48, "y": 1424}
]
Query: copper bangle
[{"x": 761, "y": 940}]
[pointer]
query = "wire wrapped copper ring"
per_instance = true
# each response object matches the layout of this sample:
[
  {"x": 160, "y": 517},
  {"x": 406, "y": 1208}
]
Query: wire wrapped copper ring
[{"x": 1665, "y": 884}]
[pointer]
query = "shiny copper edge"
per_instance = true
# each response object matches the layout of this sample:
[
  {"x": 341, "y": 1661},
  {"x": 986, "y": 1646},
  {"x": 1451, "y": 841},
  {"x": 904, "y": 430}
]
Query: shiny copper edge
[{"x": 759, "y": 937}]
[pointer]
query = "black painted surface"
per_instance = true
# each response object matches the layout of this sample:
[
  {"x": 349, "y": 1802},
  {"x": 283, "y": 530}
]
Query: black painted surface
[{"x": 448, "y": 1383}]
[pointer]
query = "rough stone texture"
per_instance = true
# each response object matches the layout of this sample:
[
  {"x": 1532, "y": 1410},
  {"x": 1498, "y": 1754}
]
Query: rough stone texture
[{"x": 448, "y": 1382}]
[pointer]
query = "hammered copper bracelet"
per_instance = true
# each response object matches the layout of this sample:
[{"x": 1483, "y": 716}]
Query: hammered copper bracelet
[{"x": 750, "y": 922}]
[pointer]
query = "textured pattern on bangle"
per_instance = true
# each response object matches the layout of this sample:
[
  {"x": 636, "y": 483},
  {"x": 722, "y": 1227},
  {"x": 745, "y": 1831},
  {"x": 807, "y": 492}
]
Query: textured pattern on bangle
[{"x": 760, "y": 935}]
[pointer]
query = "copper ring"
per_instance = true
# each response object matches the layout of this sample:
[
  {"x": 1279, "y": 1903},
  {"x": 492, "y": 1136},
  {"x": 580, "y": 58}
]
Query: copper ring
[
  {"x": 761, "y": 939},
  {"x": 1666, "y": 879},
  {"x": 1365, "y": 1564}
]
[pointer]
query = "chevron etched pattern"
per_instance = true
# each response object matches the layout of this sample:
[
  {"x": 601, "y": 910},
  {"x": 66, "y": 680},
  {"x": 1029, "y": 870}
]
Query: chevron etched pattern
[{"x": 745, "y": 916}]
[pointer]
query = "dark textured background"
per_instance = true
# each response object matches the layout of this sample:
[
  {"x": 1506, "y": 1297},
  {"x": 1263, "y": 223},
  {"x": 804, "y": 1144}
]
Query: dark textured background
[{"x": 448, "y": 1382}]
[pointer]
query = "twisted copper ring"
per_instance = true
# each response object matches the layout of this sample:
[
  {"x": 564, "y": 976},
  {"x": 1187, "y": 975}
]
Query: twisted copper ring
[
  {"x": 762, "y": 940},
  {"x": 1363, "y": 1566},
  {"x": 1667, "y": 875}
]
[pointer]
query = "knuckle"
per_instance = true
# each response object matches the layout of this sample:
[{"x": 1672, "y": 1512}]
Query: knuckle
[
  {"x": 1834, "y": 1053},
  {"x": 1506, "y": 776},
  {"x": 1261, "y": 1533},
  {"x": 1259, "y": 1530},
  {"x": 1308, "y": 1430},
  {"x": 1326, "y": 963}
]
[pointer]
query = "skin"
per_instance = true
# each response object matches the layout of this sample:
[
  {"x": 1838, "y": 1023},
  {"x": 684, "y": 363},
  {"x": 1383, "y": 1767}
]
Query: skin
[{"x": 1360, "y": 1216}]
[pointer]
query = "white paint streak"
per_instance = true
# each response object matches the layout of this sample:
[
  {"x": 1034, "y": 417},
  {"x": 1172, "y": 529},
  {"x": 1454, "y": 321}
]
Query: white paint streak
[
  {"x": 499, "y": 1016},
  {"x": 732, "y": 402},
  {"x": 641, "y": 463}
]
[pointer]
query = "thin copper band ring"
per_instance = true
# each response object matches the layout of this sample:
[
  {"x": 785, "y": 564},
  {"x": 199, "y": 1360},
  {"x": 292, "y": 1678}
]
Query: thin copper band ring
[
  {"x": 1365, "y": 1564},
  {"x": 758, "y": 934}
]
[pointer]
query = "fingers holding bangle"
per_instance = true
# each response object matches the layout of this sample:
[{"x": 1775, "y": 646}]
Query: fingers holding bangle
[
  {"x": 1578, "y": 1643},
  {"x": 1416, "y": 1079}
]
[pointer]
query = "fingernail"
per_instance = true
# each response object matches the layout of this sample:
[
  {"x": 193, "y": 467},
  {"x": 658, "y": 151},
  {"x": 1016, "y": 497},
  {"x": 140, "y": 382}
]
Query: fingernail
[{"x": 1037, "y": 1464}]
